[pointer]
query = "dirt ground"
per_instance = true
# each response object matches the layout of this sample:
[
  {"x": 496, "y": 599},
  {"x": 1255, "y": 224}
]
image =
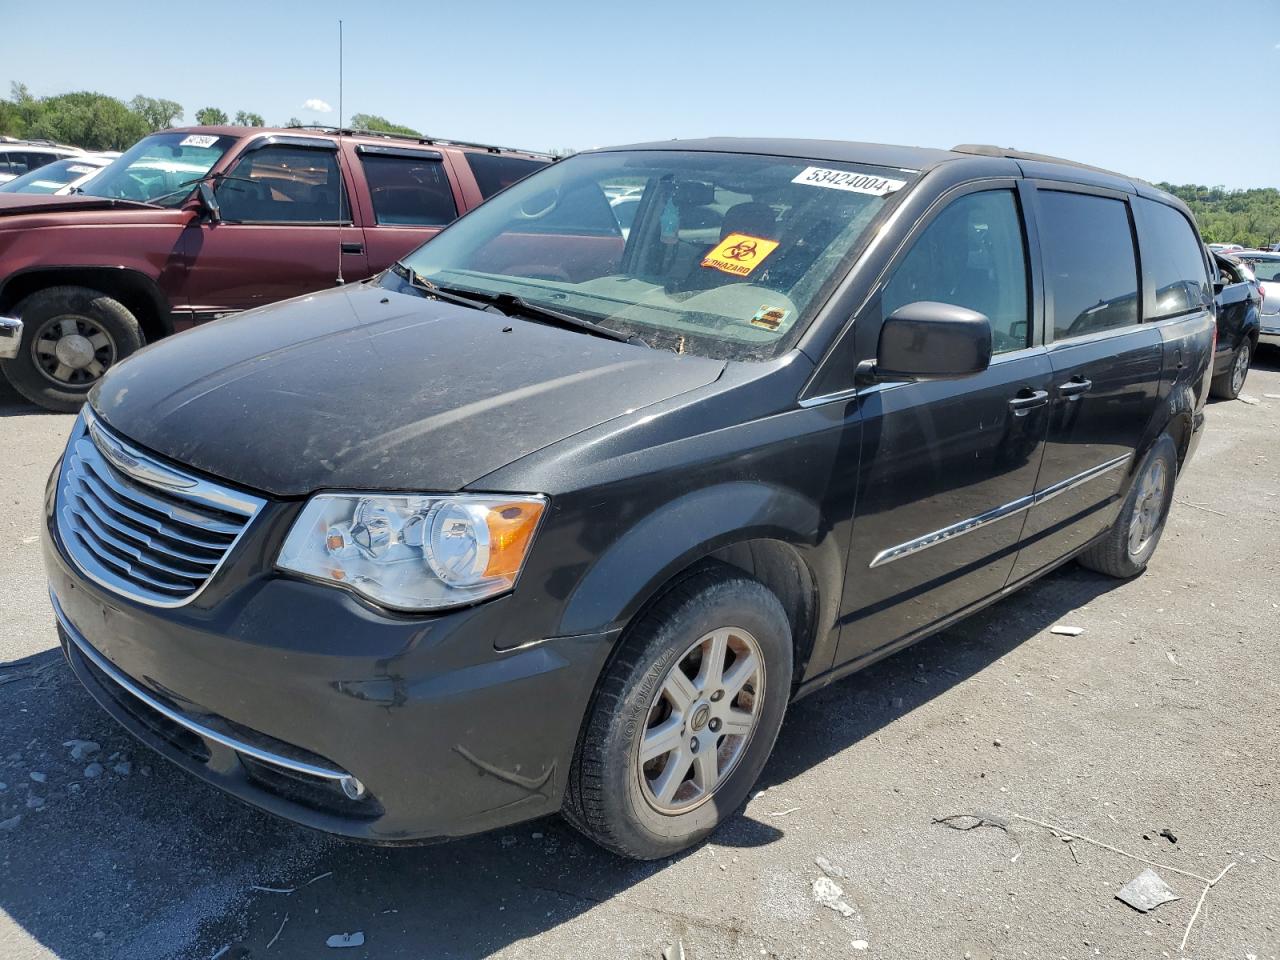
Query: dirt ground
[{"x": 1163, "y": 715}]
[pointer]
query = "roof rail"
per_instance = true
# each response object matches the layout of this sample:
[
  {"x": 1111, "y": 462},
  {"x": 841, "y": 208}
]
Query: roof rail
[
  {"x": 1010, "y": 153},
  {"x": 39, "y": 142},
  {"x": 413, "y": 138}
]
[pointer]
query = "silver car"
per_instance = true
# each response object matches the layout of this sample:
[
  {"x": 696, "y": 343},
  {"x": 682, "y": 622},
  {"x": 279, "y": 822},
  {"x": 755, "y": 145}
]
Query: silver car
[{"x": 1266, "y": 267}]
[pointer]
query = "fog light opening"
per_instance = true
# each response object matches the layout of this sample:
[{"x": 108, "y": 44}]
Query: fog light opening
[{"x": 352, "y": 787}]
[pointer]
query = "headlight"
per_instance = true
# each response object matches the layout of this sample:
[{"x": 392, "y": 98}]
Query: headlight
[{"x": 414, "y": 552}]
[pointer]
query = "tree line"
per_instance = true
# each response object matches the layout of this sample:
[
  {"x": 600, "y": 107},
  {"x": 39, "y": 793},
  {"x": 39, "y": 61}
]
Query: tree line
[
  {"x": 96, "y": 121},
  {"x": 1248, "y": 217}
]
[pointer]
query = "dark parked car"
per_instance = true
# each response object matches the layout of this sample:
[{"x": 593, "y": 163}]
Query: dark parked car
[
  {"x": 1239, "y": 298},
  {"x": 200, "y": 222},
  {"x": 541, "y": 520}
]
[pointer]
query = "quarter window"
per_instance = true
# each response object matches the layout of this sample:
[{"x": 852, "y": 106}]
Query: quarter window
[
  {"x": 494, "y": 172},
  {"x": 409, "y": 192},
  {"x": 972, "y": 255},
  {"x": 284, "y": 184},
  {"x": 1173, "y": 258},
  {"x": 1090, "y": 265}
]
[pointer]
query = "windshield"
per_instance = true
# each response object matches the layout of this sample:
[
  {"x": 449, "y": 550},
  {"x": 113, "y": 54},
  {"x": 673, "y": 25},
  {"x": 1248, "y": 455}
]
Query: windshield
[
  {"x": 722, "y": 255},
  {"x": 158, "y": 165},
  {"x": 49, "y": 178}
]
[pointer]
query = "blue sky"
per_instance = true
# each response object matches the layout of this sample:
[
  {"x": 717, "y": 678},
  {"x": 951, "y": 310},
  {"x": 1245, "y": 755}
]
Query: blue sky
[{"x": 1118, "y": 84}]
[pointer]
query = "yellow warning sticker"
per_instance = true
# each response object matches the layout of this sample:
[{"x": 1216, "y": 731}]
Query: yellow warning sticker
[
  {"x": 739, "y": 254},
  {"x": 771, "y": 318}
]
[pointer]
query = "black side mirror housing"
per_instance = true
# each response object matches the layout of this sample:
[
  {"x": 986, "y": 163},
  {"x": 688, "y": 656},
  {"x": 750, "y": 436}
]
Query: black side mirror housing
[
  {"x": 932, "y": 341},
  {"x": 210, "y": 200}
]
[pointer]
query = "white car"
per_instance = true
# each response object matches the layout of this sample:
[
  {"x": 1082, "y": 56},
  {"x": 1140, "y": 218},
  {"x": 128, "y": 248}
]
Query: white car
[
  {"x": 1266, "y": 268},
  {"x": 22, "y": 156},
  {"x": 60, "y": 177}
]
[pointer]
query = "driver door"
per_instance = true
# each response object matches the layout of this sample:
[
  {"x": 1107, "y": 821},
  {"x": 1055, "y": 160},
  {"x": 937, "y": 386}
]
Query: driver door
[{"x": 285, "y": 228}]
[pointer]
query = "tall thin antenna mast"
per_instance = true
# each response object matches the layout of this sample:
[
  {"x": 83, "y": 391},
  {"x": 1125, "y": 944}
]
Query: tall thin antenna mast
[{"x": 341, "y": 176}]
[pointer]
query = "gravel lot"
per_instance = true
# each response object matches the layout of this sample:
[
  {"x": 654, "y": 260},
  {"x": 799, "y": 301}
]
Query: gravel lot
[{"x": 1163, "y": 714}]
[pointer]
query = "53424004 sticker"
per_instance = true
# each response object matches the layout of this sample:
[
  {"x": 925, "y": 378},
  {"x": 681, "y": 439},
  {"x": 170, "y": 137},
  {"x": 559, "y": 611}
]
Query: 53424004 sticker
[
  {"x": 739, "y": 254},
  {"x": 198, "y": 140},
  {"x": 848, "y": 180}
]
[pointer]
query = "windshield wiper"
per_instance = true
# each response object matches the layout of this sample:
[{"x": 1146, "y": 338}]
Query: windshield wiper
[
  {"x": 185, "y": 187},
  {"x": 419, "y": 282},
  {"x": 514, "y": 306}
]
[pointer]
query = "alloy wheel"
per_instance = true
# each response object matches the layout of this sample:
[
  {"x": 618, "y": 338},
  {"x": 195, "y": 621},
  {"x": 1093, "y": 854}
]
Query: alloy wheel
[
  {"x": 72, "y": 350},
  {"x": 1240, "y": 369},
  {"x": 701, "y": 720},
  {"x": 1149, "y": 506}
]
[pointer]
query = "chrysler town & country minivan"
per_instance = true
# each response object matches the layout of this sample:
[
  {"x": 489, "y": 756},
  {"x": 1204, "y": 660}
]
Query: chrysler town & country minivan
[{"x": 553, "y": 516}]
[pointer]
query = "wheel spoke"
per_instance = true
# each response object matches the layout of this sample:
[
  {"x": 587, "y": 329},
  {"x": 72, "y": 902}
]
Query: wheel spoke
[
  {"x": 68, "y": 327},
  {"x": 736, "y": 723},
  {"x": 706, "y": 768},
  {"x": 45, "y": 348},
  {"x": 679, "y": 689},
  {"x": 673, "y": 774},
  {"x": 661, "y": 739},
  {"x": 95, "y": 368},
  {"x": 99, "y": 340},
  {"x": 63, "y": 372},
  {"x": 743, "y": 669},
  {"x": 713, "y": 656}
]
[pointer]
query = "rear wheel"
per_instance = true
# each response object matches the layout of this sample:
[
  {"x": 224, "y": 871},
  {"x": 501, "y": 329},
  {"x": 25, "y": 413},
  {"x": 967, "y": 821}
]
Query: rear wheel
[
  {"x": 685, "y": 717},
  {"x": 70, "y": 336},
  {"x": 1128, "y": 546},
  {"x": 1230, "y": 382}
]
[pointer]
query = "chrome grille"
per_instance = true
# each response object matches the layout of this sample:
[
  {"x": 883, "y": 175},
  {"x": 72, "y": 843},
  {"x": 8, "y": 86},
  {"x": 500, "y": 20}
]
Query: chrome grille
[{"x": 139, "y": 527}]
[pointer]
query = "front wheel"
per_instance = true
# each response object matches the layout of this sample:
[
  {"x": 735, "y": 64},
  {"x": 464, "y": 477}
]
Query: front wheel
[
  {"x": 70, "y": 336},
  {"x": 1230, "y": 382},
  {"x": 1128, "y": 546},
  {"x": 684, "y": 718}
]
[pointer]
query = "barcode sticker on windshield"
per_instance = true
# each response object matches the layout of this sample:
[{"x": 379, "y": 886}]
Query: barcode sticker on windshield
[
  {"x": 80, "y": 168},
  {"x": 847, "y": 180},
  {"x": 198, "y": 140}
]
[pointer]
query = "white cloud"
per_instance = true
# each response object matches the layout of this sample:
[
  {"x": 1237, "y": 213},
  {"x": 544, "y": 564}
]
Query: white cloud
[{"x": 318, "y": 105}]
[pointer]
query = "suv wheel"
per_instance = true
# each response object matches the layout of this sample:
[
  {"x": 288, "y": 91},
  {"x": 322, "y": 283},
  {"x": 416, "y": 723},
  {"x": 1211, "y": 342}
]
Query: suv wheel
[
  {"x": 685, "y": 717},
  {"x": 1230, "y": 382},
  {"x": 70, "y": 336},
  {"x": 1127, "y": 548}
]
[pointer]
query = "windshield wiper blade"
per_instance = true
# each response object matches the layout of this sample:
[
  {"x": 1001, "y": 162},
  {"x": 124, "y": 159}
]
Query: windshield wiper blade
[
  {"x": 185, "y": 187},
  {"x": 514, "y": 306},
  {"x": 419, "y": 282}
]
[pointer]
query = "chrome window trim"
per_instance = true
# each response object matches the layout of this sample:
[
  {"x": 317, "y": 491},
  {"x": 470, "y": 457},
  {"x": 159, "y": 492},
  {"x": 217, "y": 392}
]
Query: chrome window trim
[
  {"x": 999, "y": 513},
  {"x": 149, "y": 472},
  {"x": 344, "y": 779}
]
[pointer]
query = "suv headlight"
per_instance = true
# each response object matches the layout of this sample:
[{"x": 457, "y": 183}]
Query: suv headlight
[{"x": 414, "y": 552}]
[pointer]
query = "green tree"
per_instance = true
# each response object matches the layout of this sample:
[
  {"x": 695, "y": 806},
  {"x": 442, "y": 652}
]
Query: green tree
[
  {"x": 211, "y": 117},
  {"x": 244, "y": 119},
  {"x": 1248, "y": 217},
  {"x": 90, "y": 120},
  {"x": 159, "y": 114},
  {"x": 293, "y": 122},
  {"x": 376, "y": 124}
]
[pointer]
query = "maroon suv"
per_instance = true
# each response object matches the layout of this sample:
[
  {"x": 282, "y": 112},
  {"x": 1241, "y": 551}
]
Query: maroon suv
[{"x": 194, "y": 223}]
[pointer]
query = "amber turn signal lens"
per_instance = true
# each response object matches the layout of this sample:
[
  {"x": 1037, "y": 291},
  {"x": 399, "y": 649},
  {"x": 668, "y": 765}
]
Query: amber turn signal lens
[{"x": 511, "y": 527}]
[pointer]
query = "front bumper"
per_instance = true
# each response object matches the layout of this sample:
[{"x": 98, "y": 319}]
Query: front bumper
[
  {"x": 10, "y": 337},
  {"x": 301, "y": 700}
]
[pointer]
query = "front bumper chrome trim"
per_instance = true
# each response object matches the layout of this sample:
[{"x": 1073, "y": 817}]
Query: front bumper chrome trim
[
  {"x": 10, "y": 337},
  {"x": 352, "y": 787}
]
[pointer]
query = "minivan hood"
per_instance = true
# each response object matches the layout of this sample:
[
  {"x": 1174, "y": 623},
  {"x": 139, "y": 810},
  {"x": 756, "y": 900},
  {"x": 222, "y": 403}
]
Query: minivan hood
[{"x": 360, "y": 387}]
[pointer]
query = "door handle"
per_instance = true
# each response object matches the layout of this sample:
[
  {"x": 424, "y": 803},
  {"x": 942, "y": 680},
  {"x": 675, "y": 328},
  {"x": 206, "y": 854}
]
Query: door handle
[
  {"x": 1074, "y": 388},
  {"x": 353, "y": 248},
  {"x": 1027, "y": 400}
]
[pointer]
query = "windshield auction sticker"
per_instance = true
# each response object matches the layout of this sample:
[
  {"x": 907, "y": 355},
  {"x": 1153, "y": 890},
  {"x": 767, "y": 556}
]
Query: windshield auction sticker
[
  {"x": 739, "y": 254},
  {"x": 198, "y": 140},
  {"x": 846, "y": 180}
]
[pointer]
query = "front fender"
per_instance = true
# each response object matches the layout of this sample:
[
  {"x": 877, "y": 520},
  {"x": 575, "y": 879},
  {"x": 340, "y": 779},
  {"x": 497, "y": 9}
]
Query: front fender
[{"x": 656, "y": 548}]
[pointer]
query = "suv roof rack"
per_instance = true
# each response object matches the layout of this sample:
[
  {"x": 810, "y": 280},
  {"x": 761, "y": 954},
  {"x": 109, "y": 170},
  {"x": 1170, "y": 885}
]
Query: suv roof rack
[
  {"x": 38, "y": 142},
  {"x": 412, "y": 138},
  {"x": 1010, "y": 153}
]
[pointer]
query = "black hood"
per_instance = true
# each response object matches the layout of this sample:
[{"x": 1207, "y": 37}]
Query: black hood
[{"x": 364, "y": 388}]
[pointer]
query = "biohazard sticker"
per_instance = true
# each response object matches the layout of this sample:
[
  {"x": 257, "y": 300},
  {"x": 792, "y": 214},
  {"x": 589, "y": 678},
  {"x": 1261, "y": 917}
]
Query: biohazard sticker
[
  {"x": 847, "y": 180},
  {"x": 198, "y": 140},
  {"x": 739, "y": 254},
  {"x": 771, "y": 318}
]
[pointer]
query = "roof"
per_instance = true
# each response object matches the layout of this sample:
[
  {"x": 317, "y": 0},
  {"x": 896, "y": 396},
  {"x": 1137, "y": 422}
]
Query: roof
[
  {"x": 847, "y": 151},
  {"x": 366, "y": 136}
]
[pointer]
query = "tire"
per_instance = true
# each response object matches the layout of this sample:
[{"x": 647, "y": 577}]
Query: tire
[
  {"x": 1228, "y": 384},
  {"x": 1122, "y": 553},
  {"x": 610, "y": 795},
  {"x": 70, "y": 336}
]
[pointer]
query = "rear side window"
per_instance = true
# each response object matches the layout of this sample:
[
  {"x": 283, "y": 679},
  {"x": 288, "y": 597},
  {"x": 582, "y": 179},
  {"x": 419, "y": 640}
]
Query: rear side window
[
  {"x": 972, "y": 255},
  {"x": 409, "y": 192},
  {"x": 283, "y": 184},
  {"x": 1172, "y": 259},
  {"x": 1090, "y": 266},
  {"x": 494, "y": 172}
]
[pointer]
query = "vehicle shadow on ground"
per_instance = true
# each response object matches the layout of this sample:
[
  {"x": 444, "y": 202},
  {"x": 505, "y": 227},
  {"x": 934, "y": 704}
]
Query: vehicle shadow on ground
[
  {"x": 13, "y": 404},
  {"x": 144, "y": 861}
]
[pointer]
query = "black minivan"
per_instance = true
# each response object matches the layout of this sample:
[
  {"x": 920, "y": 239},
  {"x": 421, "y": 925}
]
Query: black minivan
[{"x": 558, "y": 514}]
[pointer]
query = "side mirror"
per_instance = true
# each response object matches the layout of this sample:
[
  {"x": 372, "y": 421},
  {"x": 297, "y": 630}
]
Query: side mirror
[
  {"x": 210, "y": 200},
  {"x": 932, "y": 341}
]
